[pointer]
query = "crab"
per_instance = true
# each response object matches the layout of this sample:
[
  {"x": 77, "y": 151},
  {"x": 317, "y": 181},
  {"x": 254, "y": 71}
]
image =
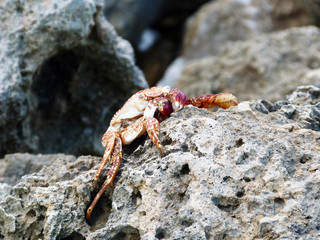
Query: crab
[{"x": 141, "y": 113}]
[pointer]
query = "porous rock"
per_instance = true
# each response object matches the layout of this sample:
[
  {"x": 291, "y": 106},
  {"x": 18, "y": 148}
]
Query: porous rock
[
  {"x": 14, "y": 166},
  {"x": 232, "y": 174},
  {"x": 63, "y": 67},
  {"x": 269, "y": 66}
]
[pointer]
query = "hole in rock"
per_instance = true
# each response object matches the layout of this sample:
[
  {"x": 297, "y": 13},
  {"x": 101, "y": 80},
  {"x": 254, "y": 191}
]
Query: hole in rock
[
  {"x": 129, "y": 149},
  {"x": 185, "y": 169},
  {"x": 226, "y": 178},
  {"x": 135, "y": 196},
  {"x": 246, "y": 179},
  {"x": 101, "y": 211},
  {"x": 279, "y": 201},
  {"x": 239, "y": 142},
  {"x": 31, "y": 213},
  {"x": 187, "y": 223},
  {"x": 181, "y": 196},
  {"x": 126, "y": 233},
  {"x": 305, "y": 158},
  {"x": 184, "y": 147},
  {"x": 74, "y": 236},
  {"x": 240, "y": 194},
  {"x": 161, "y": 233},
  {"x": 166, "y": 141},
  {"x": 226, "y": 204},
  {"x": 142, "y": 213}
]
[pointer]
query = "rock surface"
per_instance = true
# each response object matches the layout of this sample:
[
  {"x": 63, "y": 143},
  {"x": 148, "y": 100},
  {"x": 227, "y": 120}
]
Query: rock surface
[
  {"x": 62, "y": 69},
  {"x": 249, "y": 172},
  {"x": 270, "y": 66}
]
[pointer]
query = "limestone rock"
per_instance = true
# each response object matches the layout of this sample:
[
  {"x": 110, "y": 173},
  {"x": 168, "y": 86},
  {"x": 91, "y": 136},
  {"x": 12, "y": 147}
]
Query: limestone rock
[
  {"x": 63, "y": 68},
  {"x": 270, "y": 66},
  {"x": 241, "y": 173}
]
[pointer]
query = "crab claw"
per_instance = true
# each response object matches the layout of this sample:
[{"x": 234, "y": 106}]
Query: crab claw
[
  {"x": 222, "y": 100},
  {"x": 178, "y": 99}
]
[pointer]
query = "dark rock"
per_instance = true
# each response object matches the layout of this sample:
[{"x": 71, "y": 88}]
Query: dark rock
[{"x": 64, "y": 72}]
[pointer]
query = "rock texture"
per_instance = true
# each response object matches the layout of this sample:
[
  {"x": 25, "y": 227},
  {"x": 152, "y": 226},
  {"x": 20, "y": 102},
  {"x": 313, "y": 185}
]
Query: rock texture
[
  {"x": 270, "y": 66},
  {"x": 63, "y": 68},
  {"x": 249, "y": 172}
]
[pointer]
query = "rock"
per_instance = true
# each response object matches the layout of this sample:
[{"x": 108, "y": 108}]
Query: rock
[
  {"x": 14, "y": 166},
  {"x": 233, "y": 174},
  {"x": 219, "y": 24},
  {"x": 312, "y": 8},
  {"x": 132, "y": 18},
  {"x": 154, "y": 28},
  {"x": 222, "y": 23},
  {"x": 269, "y": 67},
  {"x": 64, "y": 71},
  {"x": 302, "y": 106},
  {"x": 47, "y": 204}
]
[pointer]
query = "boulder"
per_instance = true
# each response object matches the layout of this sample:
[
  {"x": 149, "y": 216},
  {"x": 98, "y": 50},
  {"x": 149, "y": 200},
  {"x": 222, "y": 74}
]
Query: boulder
[
  {"x": 64, "y": 72},
  {"x": 249, "y": 172},
  {"x": 220, "y": 24},
  {"x": 269, "y": 66}
]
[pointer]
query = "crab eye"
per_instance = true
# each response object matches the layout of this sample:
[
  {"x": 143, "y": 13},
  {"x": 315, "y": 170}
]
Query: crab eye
[{"x": 165, "y": 108}]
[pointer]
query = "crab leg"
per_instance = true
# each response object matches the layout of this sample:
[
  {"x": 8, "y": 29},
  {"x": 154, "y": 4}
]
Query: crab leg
[
  {"x": 222, "y": 100},
  {"x": 116, "y": 159},
  {"x": 152, "y": 125},
  {"x": 108, "y": 140},
  {"x": 133, "y": 131}
]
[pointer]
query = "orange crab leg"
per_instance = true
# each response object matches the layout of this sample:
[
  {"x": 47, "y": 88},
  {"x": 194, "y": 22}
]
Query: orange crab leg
[
  {"x": 116, "y": 159},
  {"x": 152, "y": 125},
  {"x": 133, "y": 131},
  {"x": 139, "y": 127},
  {"x": 222, "y": 100},
  {"x": 108, "y": 140}
]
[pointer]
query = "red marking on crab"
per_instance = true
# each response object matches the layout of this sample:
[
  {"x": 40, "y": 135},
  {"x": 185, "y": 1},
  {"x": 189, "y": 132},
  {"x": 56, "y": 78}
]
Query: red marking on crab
[{"x": 142, "y": 113}]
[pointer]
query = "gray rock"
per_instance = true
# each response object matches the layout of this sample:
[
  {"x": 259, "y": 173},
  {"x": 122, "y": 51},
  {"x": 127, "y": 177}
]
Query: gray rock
[
  {"x": 219, "y": 24},
  {"x": 302, "y": 106},
  {"x": 233, "y": 174},
  {"x": 269, "y": 67},
  {"x": 15, "y": 166},
  {"x": 222, "y": 23},
  {"x": 63, "y": 70},
  {"x": 131, "y": 17}
]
